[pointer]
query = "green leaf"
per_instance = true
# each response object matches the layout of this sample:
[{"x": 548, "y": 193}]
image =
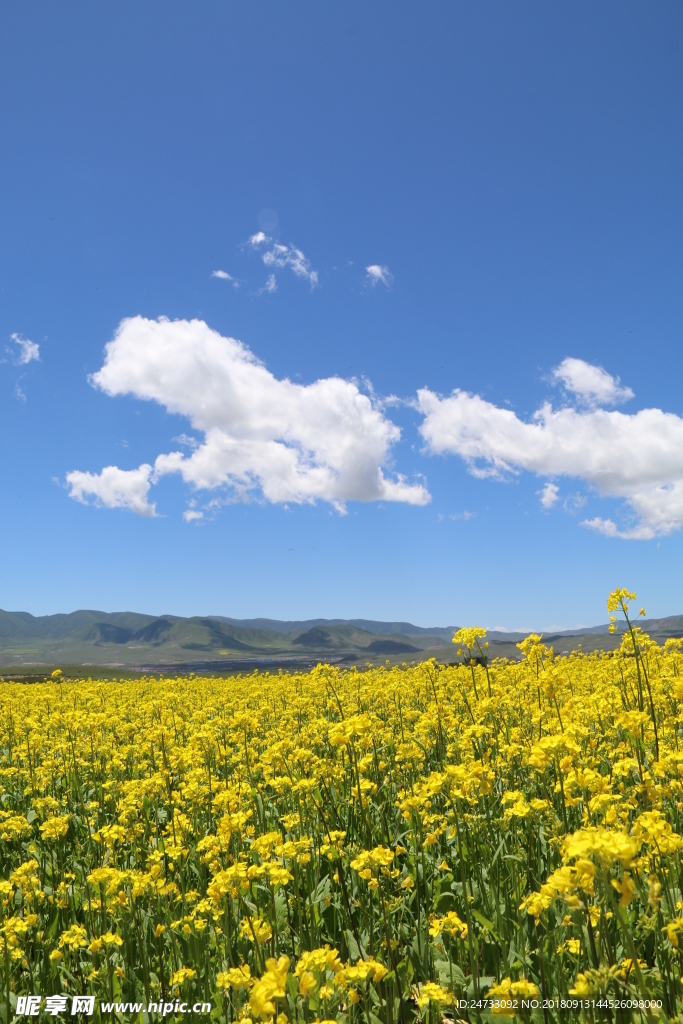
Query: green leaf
[
  {"x": 458, "y": 976},
  {"x": 281, "y": 909},
  {"x": 485, "y": 982},
  {"x": 497, "y": 853},
  {"x": 405, "y": 972},
  {"x": 445, "y": 903},
  {"x": 486, "y": 923},
  {"x": 51, "y": 930},
  {"x": 324, "y": 889},
  {"x": 354, "y": 952},
  {"x": 444, "y": 970},
  {"x": 292, "y": 987}
]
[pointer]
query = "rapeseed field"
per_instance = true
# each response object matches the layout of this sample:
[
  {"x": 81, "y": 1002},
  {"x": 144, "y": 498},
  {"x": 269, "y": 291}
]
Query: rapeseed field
[{"x": 369, "y": 846}]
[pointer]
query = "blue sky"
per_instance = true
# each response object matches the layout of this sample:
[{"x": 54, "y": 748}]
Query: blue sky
[{"x": 512, "y": 174}]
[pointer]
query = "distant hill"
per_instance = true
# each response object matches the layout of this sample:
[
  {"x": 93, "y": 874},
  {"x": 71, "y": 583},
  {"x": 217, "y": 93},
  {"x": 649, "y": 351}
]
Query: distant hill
[
  {"x": 369, "y": 625},
  {"x": 128, "y": 640},
  {"x": 133, "y": 641}
]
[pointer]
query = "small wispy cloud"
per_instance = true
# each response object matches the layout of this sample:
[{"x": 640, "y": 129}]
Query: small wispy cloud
[
  {"x": 188, "y": 440},
  {"x": 223, "y": 275},
  {"x": 549, "y": 495},
  {"x": 26, "y": 350},
  {"x": 592, "y": 385},
  {"x": 376, "y": 274},
  {"x": 608, "y": 528},
  {"x": 573, "y": 503},
  {"x": 278, "y": 257}
]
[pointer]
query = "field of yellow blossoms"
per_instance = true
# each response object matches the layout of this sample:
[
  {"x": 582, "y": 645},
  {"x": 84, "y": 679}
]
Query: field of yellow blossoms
[{"x": 370, "y": 846}]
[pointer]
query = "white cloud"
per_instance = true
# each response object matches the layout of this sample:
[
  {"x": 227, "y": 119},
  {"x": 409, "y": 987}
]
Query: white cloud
[
  {"x": 549, "y": 495},
  {"x": 278, "y": 256},
  {"x": 376, "y": 274},
  {"x": 28, "y": 350},
  {"x": 610, "y": 529},
  {"x": 573, "y": 503},
  {"x": 191, "y": 514},
  {"x": 605, "y": 526},
  {"x": 637, "y": 457},
  {"x": 270, "y": 286},
  {"x": 263, "y": 437},
  {"x": 592, "y": 385},
  {"x": 223, "y": 275},
  {"x": 188, "y": 440},
  {"x": 114, "y": 488}
]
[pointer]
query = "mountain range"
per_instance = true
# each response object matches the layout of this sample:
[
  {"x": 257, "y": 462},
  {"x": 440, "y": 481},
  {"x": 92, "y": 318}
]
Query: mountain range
[{"x": 137, "y": 642}]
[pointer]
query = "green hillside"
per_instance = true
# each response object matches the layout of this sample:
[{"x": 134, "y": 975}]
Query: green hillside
[{"x": 128, "y": 641}]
